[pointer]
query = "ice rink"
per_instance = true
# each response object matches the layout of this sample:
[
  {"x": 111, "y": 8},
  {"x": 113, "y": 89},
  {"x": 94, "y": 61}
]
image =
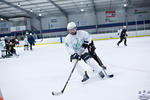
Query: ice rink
[{"x": 35, "y": 74}]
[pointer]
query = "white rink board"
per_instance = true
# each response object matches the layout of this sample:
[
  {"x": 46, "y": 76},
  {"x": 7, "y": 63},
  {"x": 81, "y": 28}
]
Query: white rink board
[{"x": 95, "y": 36}]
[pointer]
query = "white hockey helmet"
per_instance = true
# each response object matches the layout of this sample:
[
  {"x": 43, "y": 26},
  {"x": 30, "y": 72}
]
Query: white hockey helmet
[
  {"x": 124, "y": 27},
  {"x": 6, "y": 37},
  {"x": 2, "y": 38},
  {"x": 71, "y": 25}
]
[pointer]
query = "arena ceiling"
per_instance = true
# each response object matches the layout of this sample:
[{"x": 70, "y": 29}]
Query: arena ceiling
[{"x": 35, "y": 8}]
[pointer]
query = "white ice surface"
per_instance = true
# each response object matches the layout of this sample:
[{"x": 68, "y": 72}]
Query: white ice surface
[{"x": 35, "y": 74}]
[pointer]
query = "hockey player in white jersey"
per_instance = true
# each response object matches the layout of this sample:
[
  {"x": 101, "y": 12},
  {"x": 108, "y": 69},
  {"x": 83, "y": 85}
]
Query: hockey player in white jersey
[
  {"x": 119, "y": 31},
  {"x": 26, "y": 44},
  {"x": 2, "y": 47},
  {"x": 76, "y": 43}
]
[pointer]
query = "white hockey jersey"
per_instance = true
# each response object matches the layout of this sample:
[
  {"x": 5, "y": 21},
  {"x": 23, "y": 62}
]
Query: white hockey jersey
[
  {"x": 74, "y": 43},
  {"x": 25, "y": 41},
  {"x": 2, "y": 45},
  {"x": 119, "y": 31}
]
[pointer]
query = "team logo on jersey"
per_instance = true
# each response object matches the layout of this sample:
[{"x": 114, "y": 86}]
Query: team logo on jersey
[
  {"x": 77, "y": 44},
  {"x": 144, "y": 95}
]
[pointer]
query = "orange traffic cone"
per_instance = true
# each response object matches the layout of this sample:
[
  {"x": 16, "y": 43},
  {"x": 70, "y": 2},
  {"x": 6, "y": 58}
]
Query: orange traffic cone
[{"x": 1, "y": 97}]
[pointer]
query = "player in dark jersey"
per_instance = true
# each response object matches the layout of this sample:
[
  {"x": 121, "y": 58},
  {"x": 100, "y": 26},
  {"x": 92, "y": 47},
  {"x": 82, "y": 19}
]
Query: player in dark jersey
[{"x": 123, "y": 36}]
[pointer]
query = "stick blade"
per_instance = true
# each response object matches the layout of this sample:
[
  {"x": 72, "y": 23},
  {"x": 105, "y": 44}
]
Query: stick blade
[
  {"x": 111, "y": 76},
  {"x": 56, "y": 93}
]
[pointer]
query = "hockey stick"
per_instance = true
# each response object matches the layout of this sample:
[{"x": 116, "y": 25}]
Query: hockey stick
[
  {"x": 62, "y": 91},
  {"x": 104, "y": 68},
  {"x": 108, "y": 76},
  {"x": 100, "y": 63}
]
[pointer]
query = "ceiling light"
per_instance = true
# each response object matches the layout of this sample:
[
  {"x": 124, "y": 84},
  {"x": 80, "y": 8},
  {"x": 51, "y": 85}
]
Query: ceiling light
[
  {"x": 31, "y": 10},
  {"x": 19, "y": 4},
  {"x": 125, "y": 5},
  {"x": 82, "y": 10},
  {"x": 2, "y": 19},
  {"x": 40, "y": 14}
]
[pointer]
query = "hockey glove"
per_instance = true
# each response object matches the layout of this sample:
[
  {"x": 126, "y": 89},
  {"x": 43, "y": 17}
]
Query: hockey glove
[
  {"x": 91, "y": 47},
  {"x": 74, "y": 56},
  {"x": 85, "y": 44}
]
